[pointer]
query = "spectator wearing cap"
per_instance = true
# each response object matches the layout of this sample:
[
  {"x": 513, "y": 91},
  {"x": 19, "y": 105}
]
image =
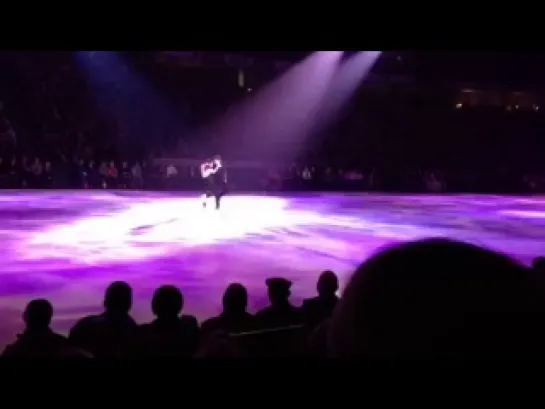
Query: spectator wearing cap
[{"x": 280, "y": 313}]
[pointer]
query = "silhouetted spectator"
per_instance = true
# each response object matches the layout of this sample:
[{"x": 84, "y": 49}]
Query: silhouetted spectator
[
  {"x": 169, "y": 335},
  {"x": 26, "y": 172},
  {"x": 317, "y": 341},
  {"x": 111, "y": 333},
  {"x": 234, "y": 318},
  {"x": 4, "y": 169},
  {"x": 38, "y": 340},
  {"x": 316, "y": 310},
  {"x": 80, "y": 176},
  {"x": 112, "y": 175},
  {"x": 218, "y": 345},
  {"x": 92, "y": 176},
  {"x": 103, "y": 172},
  {"x": 281, "y": 313},
  {"x": 47, "y": 179},
  {"x": 124, "y": 176},
  {"x": 440, "y": 299},
  {"x": 539, "y": 264},
  {"x": 137, "y": 178},
  {"x": 14, "y": 174},
  {"x": 32, "y": 170}
]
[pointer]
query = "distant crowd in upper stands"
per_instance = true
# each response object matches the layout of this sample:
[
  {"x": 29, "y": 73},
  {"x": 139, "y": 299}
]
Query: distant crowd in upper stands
[{"x": 59, "y": 128}]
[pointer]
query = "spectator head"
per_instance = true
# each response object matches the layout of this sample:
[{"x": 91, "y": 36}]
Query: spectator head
[
  {"x": 118, "y": 298},
  {"x": 37, "y": 315},
  {"x": 278, "y": 290},
  {"x": 439, "y": 299},
  {"x": 328, "y": 284},
  {"x": 167, "y": 302},
  {"x": 235, "y": 298}
]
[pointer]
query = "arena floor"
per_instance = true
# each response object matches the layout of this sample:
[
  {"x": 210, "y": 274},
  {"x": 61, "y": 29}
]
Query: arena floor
[{"x": 68, "y": 245}]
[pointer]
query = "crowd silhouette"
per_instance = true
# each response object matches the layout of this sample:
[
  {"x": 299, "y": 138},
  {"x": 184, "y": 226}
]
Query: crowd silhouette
[
  {"x": 395, "y": 136},
  {"x": 436, "y": 298},
  {"x": 428, "y": 299}
]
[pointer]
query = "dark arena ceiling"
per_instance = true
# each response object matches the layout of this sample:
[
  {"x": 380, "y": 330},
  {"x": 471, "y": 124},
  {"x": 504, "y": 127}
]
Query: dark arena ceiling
[{"x": 509, "y": 67}]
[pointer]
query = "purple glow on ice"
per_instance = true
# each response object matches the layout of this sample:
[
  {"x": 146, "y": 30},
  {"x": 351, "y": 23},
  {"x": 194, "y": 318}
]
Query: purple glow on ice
[
  {"x": 67, "y": 246},
  {"x": 156, "y": 227}
]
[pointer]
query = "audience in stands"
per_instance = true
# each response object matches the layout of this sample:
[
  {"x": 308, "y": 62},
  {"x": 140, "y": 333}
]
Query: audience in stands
[
  {"x": 49, "y": 109},
  {"x": 433, "y": 299}
]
